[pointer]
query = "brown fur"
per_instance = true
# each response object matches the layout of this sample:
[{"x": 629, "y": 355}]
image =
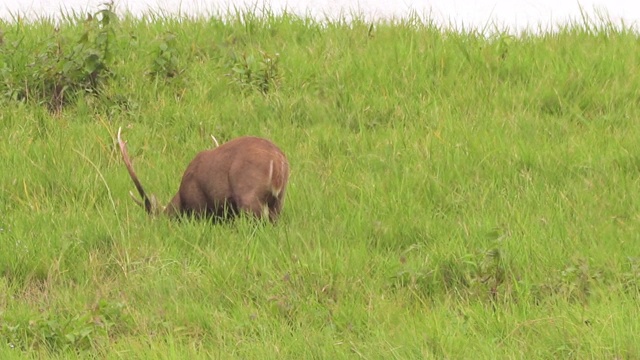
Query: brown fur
[{"x": 246, "y": 174}]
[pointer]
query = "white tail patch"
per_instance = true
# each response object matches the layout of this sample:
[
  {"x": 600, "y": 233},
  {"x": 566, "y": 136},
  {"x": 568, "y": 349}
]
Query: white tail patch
[
  {"x": 270, "y": 177},
  {"x": 275, "y": 191}
]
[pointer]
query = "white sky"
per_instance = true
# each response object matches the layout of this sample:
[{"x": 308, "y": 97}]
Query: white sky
[{"x": 515, "y": 14}]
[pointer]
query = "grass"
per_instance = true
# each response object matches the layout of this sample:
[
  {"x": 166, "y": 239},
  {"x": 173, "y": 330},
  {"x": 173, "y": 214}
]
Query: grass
[{"x": 453, "y": 195}]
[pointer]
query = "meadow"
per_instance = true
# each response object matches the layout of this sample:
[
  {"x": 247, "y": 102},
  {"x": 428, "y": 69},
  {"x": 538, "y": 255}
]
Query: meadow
[{"x": 453, "y": 194}]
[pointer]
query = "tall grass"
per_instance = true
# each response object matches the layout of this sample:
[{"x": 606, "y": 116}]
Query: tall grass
[{"x": 453, "y": 195}]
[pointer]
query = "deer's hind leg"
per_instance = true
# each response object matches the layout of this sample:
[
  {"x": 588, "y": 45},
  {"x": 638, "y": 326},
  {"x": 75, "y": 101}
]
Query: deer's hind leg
[
  {"x": 275, "y": 204},
  {"x": 253, "y": 204}
]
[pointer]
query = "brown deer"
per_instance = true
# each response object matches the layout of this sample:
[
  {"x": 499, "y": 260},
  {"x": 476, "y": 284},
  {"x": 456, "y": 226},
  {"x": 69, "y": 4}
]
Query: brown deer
[{"x": 247, "y": 174}]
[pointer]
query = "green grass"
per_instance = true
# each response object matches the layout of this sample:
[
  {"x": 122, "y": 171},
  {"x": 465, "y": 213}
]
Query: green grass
[{"x": 452, "y": 195}]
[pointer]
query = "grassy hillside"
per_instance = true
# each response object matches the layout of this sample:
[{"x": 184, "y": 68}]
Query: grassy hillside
[{"x": 452, "y": 195}]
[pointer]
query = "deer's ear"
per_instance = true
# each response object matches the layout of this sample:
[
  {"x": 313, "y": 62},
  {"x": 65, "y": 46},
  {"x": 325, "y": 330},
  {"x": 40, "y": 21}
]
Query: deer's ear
[{"x": 156, "y": 208}]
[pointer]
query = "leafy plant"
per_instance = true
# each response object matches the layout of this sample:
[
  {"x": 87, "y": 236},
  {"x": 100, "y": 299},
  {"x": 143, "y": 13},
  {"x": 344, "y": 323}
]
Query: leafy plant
[
  {"x": 256, "y": 72},
  {"x": 479, "y": 276},
  {"x": 165, "y": 62},
  {"x": 59, "y": 332},
  {"x": 59, "y": 71},
  {"x": 574, "y": 282}
]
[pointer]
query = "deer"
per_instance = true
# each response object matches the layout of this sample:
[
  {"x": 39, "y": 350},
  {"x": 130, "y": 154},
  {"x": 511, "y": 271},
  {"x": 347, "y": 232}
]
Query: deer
[{"x": 244, "y": 175}]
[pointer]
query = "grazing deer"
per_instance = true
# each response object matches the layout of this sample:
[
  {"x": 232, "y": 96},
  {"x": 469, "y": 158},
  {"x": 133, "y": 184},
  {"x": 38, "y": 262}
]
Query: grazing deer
[{"x": 246, "y": 174}]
